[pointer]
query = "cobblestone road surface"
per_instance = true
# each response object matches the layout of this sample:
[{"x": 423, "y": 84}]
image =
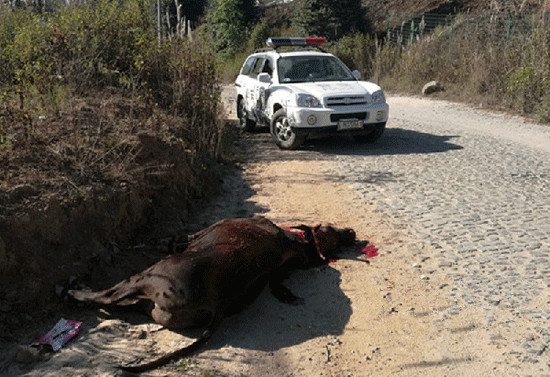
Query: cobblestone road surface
[{"x": 476, "y": 186}]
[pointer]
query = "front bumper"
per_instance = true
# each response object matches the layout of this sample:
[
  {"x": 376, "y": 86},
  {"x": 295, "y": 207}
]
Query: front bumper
[
  {"x": 334, "y": 129},
  {"x": 326, "y": 119}
]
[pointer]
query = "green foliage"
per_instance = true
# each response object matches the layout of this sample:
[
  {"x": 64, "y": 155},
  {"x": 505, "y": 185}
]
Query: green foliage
[
  {"x": 474, "y": 66},
  {"x": 193, "y": 9},
  {"x": 357, "y": 51},
  {"x": 48, "y": 60},
  {"x": 324, "y": 18},
  {"x": 186, "y": 364},
  {"x": 260, "y": 33},
  {"x": 230, "y": 67},
  {"x": 525, "y": 87},
  {"x": 529, "y": 84},
  {"x": 196, "y": 92},
  {"x": 228, "y": 21},
  {"x": 91, "y": 45},
  {"x": 542, "y": 109}
]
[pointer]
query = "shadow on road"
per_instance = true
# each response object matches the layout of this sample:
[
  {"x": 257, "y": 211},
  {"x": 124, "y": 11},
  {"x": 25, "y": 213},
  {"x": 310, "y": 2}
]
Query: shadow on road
[
  {"x": 269, "y": 325},
  {"x": 395, "y": 141}
]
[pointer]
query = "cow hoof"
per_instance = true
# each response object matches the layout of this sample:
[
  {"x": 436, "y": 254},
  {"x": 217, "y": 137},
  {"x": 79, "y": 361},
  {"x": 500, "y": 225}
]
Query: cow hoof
[
  {"x": 62, "y": 291},
  {"x": 284, "y": 295}
]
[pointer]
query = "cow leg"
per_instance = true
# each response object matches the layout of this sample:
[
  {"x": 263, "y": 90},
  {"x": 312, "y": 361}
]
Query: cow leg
[
  {"x": 162, "y": 317},
  {"x": 127, "y": 292},
  {"x": 283, "y": 294},
  {"x": 103, "y": 297},
  {"x": 179, "y": 319}
]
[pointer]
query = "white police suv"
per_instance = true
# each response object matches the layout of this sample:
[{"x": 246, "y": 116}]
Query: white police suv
[{"x": 306, "y": 91}]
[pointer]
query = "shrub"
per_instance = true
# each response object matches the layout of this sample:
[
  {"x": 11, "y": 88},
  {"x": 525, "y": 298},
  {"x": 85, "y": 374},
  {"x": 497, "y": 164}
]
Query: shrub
[
  {"x": 259, "y": 34},
  {"x": 529, "y": 84},
  {"x": 321, "y": 18},
  {"x": 228, "y": 21},
  {"x": 196, "y": 93},
  {"x": 49, "y": 60},
  {"x": 357, "y": 51},
  {"x": 115, "y": 134}
]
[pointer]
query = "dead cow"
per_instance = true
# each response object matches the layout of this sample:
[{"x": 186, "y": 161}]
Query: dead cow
[{"x": 225, "y": 266}]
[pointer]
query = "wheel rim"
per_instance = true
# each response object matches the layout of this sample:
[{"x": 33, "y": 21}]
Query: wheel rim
[{"x": 282, "y": 129}]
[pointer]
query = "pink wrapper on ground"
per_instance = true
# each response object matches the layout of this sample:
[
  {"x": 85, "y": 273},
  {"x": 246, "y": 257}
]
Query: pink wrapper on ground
[{"x": 63, "y": 331}]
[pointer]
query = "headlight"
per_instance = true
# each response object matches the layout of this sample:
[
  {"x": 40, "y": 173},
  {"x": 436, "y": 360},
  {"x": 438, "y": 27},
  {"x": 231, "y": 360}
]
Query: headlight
[
  {"x": 378, "y": 97},
  {"x": 305, "y": 100}
]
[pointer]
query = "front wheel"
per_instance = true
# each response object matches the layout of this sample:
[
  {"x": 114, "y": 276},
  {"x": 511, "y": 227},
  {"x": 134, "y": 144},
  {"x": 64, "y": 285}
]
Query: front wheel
[
  {"x": 282, "y": 134},
  {"x": 372, "y": 136},
  {"x": 245, "y": 124}
]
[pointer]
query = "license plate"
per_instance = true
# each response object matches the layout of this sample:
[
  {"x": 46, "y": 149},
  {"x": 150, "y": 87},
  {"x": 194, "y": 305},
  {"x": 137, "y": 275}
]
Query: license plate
[{"x": 349, "y": 124}]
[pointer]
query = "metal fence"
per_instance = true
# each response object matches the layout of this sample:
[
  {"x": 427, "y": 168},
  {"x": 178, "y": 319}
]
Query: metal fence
[{"x": 504, "y": 26}]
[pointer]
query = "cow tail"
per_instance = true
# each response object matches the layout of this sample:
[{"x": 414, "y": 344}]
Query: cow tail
[{"x": 180, "y": 353}]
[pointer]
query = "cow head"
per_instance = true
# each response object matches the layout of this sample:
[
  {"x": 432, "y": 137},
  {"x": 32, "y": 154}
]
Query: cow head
[{"x": 327, "y": 240}]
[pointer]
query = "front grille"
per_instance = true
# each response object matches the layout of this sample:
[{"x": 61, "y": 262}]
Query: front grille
[
  {"x": 346, "y": 100},
  {"x": 337, "y": 117}
]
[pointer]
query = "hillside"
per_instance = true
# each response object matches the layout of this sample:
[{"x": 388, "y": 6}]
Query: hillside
[{"x": 377, "y": 10}]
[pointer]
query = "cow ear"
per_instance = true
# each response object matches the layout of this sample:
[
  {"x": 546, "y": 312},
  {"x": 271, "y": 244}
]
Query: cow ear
[
  {"x": 301, "y": 227},
  {"x": 316, "y": 241}
]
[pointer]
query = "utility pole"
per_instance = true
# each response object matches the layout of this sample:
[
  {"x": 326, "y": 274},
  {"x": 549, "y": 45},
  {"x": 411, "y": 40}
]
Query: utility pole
[{"x": 158, "y": 19}]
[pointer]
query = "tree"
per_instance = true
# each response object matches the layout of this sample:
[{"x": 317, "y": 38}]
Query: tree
[
  {"x": 183, "y": 15},
  {"x": 259, "y": 34},
  {"x": 328, "y": 18},
  {"x": 229, "y": 22},
  {"x": 193, "y": 9}
]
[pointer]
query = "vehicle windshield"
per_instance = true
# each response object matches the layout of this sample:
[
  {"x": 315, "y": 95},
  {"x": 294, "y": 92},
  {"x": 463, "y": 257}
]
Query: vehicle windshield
[{"x": 294, "y": 69}]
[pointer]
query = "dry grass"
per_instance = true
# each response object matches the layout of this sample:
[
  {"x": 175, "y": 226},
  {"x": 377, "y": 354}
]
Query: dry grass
[
  {"x": 476, "y": 65},
  {"x": 105, "y": 138}
]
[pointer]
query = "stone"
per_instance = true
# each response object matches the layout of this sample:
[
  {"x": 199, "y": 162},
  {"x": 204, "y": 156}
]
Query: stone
[
  {"x": 432, "y": 87},
  {"x": 27, "y": 354},
  {"x": 22, "y": 191}
]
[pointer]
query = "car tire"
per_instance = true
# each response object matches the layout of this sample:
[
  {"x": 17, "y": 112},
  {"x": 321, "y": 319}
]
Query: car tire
[
  {"x": 282, "y": 134},
  {"x": 372, "y": 136},
  {"x": 245, "y": 124}
]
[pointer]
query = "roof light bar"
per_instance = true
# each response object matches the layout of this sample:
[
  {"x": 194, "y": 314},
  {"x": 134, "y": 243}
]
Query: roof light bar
[{"x": 279, "y": 42}]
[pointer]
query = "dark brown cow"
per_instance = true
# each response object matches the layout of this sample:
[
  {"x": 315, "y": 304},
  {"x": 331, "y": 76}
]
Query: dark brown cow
[{"x": 225, "y": 266}]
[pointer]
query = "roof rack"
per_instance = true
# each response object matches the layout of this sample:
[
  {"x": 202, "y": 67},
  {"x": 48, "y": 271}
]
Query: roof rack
[
  {"x": 294, "y": 43},
  {"x": 289, "y": 49},
  {"x": 279, "y": 42}
]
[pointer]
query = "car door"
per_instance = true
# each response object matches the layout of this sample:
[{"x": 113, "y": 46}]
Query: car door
[
  {"x": 252, "y": 92},
  {"x": 260, "y": 91},
  {"x": 243, "y": 82}
]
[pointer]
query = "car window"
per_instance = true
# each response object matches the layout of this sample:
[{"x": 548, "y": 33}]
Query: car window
[
  {"x": 268, "y": 67},
  {"x": 312, "y": 68},
  {"x": 247, "y": 67},
  {"x": 257, "y": 66}
]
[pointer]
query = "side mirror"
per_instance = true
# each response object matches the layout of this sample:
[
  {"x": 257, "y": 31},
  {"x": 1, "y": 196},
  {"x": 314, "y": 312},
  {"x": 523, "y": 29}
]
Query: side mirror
[
  {"x": 264, "y": 77},
  {"x": 356, "y": 74}
]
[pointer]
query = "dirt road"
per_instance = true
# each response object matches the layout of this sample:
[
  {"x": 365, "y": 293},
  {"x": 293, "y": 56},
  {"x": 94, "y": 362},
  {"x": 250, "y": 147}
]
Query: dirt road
[{"x": 439, "y": 300}]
